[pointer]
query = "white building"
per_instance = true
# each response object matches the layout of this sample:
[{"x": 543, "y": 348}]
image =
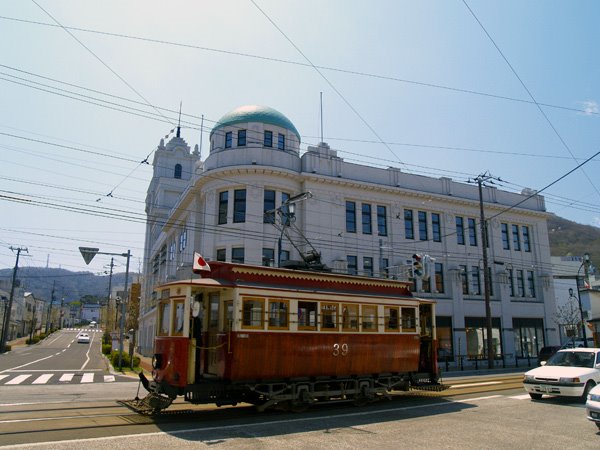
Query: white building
[{"x": 361, "y": 219}]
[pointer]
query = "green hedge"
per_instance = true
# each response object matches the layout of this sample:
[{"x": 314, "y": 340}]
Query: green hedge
[
  {"x": 35, "y": 340},
  {"x": 106, "y": 349},
  {"x": 125, "y": 361}
]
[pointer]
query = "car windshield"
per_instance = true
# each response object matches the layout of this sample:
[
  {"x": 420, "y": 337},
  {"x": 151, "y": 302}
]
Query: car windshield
[{"x": 572, "y": 359}]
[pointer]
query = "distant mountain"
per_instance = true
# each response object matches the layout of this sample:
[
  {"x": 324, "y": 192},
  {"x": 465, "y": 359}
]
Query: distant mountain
[
  {"x": 569, "y": 238},
  {"x": 566, "y": 238},
  {"x": 70, "y": 285}
]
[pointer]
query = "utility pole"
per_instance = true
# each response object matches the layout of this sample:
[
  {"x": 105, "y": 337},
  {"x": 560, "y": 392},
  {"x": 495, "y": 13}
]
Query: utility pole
[
  {"x": 112, "y": 264},
  {"x": 486, "y": 274},
  {"x": 50, "y": 308},
  {"x": 4, "y": 337}
]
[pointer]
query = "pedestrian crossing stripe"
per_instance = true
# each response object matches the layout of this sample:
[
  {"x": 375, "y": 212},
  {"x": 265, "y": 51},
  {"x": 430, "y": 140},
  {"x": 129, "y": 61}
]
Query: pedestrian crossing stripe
[{"x": 44, "y": 378}]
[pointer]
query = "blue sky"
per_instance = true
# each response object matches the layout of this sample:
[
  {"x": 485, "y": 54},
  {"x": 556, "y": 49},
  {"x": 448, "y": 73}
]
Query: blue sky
[{"x": 423, "y": 75}]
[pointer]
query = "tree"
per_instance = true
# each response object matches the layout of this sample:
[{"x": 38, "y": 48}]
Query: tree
[{"x": 569, "y": 317}]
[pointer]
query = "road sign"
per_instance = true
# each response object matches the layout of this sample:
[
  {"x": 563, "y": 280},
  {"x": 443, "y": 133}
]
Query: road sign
[{"x": 88, "y": 253}]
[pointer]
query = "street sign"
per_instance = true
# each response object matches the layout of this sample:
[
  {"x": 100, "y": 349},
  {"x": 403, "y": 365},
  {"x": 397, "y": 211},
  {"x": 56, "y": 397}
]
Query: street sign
[{"x": 88, "y": 253}]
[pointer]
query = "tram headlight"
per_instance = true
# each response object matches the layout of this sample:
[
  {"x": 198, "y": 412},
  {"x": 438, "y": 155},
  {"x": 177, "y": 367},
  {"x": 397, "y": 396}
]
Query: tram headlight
[{"x": 156, "y": 361}]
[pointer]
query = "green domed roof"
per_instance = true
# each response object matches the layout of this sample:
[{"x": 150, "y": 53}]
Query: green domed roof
[{"x": 255, "y": 113}]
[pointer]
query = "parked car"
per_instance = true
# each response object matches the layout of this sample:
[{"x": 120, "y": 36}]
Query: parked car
[
  {"x": 578, "y": 343},
  {"x": 592, "y": 406},
  {"x": 83, "y": 338},
  {"x": 547, "y": 352},
  {"x": 568, "y": 373}
]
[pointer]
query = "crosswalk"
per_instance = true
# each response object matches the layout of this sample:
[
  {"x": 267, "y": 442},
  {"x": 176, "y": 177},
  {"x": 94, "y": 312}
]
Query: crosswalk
[{"x": 55, "y": 378}]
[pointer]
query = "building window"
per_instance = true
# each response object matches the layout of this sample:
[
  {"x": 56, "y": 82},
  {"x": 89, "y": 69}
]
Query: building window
[
  {"x": 443, "y": 331},
  {"x": 177, "y": 171},
  {"x": 349, "y": 317},
  {"x": 239, "y": 205},
  {"x": 409, "y": 230},
  {"x": 530, "y": 283},
  {"x": 285, "y": 255},
  {"x": 329, "y": 316},
  {"x": 475, "y": 280},
  {"x": 505, "y": 239},
  {"x": 268, "y": 140},
  {"x": 511, "y": 282},
  {"x": 520, "y": 284},
  {"x": 436, "y": 227},
  {"x": 269, "y": 207},
  {"x": 367, "y": 227},
  {"x": 278, "y": 314},
  {"x": 307, "y": 315},
  {"x": 472, "y": 232},
  {"x": 350, "y": 217},
  {"x": 369, "y": 317},
  {"x": 422, "y": 226},
  {"x": 241, "y": 138},
  {"x": 476, "y": 330},
  {"x": 228, "y": 139},
  {"x": 381, "y": 220},
  {"x": 460, "y": 231},
  {"x": 526, "y": 241},
  {"x": 281, "y": 141},
  {"x": 223, "y": 200},
  {"x": 352, "y": 264},
  {"x": 529, "y": 336},
  {"x": 172, "y": 248},
  {"x": 464, "y": 278},
  {"x": 183, "y": 240},
  {"x": 221, "y": 254},
  {"x": 268, "y": 257},
  {"x": 253, "y": 313},
  {"x": 368, "y": 266},
  {"x": 391, "y": 316},
  {"x": 237, "y": 255},
  {"x": 439, "y": 277},
  {"x": 516, "y": 240}
]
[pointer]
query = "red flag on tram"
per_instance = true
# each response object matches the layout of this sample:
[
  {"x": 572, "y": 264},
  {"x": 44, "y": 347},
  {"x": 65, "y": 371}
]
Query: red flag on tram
[{"x": 200, "y": 264}]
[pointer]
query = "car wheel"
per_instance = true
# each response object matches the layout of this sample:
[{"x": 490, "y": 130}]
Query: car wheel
[
  {"x": 588, "y": 387},
  {"x": 598, "y": 424},
  {"x": 535, "y": 396}
]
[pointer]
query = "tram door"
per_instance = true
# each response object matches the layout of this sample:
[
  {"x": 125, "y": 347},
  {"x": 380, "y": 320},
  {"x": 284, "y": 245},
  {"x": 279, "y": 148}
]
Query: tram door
[
  {"x": 427, "y": 351},
  {"x": 213, "y": 331}
]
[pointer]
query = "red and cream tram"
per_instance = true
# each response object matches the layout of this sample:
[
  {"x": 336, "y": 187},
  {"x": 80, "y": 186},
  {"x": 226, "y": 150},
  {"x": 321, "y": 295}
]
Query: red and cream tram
[{"x": 269, "y": 336}]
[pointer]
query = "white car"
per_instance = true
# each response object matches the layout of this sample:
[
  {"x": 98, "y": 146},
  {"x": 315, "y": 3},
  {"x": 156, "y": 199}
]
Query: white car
[
  {"x": 83, "y": 338},
  {"x": 569, "y": 373},
  {"x": 592, "y": 406}
]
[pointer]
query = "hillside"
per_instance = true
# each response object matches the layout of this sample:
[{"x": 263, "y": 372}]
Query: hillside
[
  {"x": 70, "y": 285},
  {"x": 573, "y": 239}
]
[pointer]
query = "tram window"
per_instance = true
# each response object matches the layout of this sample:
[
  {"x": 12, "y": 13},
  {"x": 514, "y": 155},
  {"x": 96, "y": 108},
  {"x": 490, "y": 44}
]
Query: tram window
[
  {"x": 253, "y": 313},
  {"x": 213, "y": 317},
  {"x": 392, "y": 316},
  {"x": 307, "y": 315},
  {"x": 408, "y": 319},
  {"x": 369, "y": 317},
  {"x": 228, "y": 316},
  {"x": 165, "y": 318},
  {"x": 278, "y": 314},
  {"x": 329, "y": 316},
  {"x": 349, "y": 317},
  {"x": 178, "y": 319}
]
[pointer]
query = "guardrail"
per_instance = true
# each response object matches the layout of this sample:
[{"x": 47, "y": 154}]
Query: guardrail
[{"x": 478, "y": 362}]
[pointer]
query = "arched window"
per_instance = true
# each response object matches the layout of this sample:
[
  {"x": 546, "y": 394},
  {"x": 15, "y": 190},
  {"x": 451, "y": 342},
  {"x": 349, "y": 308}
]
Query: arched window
[{"x": 178, "y": 171}]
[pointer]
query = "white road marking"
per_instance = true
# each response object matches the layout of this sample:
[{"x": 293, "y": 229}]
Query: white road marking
[
  {"x": 87, "y": 378},
  {"x": 2, "y": 377},
  {"x": 109, "y": 378},
  {"x": 18, "y": 379},
  {"x": 42, "y": 379},
  {"x": 483, "y": 383},
  {"x": 66, "y": 377},
  {"x": 520, "y": 397},
  {"x": 25, "y": 365}
]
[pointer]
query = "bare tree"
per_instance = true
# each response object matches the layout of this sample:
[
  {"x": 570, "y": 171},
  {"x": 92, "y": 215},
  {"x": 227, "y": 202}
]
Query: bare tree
[{"x": 568, "y": 317}]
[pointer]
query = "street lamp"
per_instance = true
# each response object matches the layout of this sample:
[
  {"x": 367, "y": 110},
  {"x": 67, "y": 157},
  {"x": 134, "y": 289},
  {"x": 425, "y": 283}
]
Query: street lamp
[
  {"x": 88, "y": 254},
  {"x": 586, "y": 264}
]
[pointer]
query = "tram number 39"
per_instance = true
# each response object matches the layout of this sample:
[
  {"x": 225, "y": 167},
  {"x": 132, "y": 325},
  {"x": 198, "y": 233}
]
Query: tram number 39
[{"x": 340, "y": 349}]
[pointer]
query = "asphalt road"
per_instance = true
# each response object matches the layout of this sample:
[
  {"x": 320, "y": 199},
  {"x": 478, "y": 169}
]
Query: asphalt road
[
  {"x": 477, "y": 412},
  {"x": 57, "y": 360}
]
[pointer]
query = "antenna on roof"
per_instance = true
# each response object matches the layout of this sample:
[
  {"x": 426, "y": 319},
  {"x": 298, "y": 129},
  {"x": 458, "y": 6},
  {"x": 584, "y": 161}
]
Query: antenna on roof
[
  {"x": 321, "y": 116},
  {"x": 201, "y": 131},
  {"x": 179, "y": 121}
]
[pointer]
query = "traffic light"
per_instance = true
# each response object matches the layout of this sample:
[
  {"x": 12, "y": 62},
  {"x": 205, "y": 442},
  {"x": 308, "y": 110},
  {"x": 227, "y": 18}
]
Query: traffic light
[{"x": 417, "y": 266}]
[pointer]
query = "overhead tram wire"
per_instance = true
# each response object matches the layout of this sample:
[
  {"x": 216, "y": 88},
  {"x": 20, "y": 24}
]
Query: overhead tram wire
[
  {"x": 540, "y": 109},
  {"x": 299, "y": 63}
]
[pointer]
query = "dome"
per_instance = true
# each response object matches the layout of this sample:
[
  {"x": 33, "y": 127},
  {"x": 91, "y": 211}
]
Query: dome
[{"x": 255, "y": 113}]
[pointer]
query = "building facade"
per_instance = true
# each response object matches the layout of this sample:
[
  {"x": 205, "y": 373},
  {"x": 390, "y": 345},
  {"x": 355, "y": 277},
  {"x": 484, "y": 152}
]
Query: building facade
[{"x": 360, "y": 219}]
